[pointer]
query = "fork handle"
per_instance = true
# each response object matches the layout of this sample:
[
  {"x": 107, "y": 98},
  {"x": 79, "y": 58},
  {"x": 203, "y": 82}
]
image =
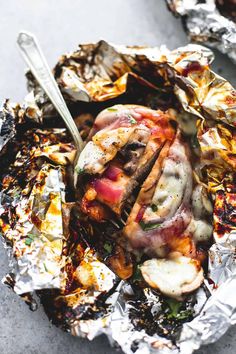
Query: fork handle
[{"x": 37, "y": 63}]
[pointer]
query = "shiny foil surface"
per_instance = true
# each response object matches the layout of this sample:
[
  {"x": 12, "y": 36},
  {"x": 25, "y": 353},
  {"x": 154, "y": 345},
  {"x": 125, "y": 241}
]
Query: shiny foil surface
[
  {"x": 50, "y": 243},
  {"x": 209, "y": 21}
]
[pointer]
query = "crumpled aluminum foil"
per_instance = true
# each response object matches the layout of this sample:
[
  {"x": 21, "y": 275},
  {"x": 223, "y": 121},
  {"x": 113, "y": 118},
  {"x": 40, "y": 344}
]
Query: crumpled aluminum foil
[
  {"x": 7, "y": 126},
  {"x": 94, "y": 77},
  {"x": 205, "y": 24},
  {"x": 32, "y": 196}
]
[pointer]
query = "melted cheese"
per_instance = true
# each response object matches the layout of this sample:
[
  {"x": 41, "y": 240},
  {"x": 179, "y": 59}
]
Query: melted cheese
[
  {"x": 202, "y": 231},
  {"x": 173, "y": 277},
  {"x": 103, "y": 148},
  {"x": 171, "y": 186},
  {"x": 201, "y": 204},
  {"x": 91, "y": 159}
]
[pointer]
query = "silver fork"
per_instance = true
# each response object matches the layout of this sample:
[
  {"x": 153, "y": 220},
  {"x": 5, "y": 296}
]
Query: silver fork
[{"x": 38, "y": 65}]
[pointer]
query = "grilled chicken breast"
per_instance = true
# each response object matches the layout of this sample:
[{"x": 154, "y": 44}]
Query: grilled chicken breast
[
  {"x": 125, "y": 142},
  {"x": 134, "y": 146}
]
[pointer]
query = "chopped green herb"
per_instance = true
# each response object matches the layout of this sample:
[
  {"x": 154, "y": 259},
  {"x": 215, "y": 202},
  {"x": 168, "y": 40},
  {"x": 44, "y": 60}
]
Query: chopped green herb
[
  {"x": 29, "y": 239},
  {"x": 174, "y": 306},
  {"x": 112, "y": 109},
  {"x": 30, "y": 235},
  {"x": 79, "y": 170},
  {"x": 137, "y": 275},
  {"x": 45, "y": 267},
  {"x": 154, "y": 207},
  {"x": 16, "y": 194},
  {"x": 131, "y": 119},
  {"x": 184, "y": 314},
  {"x": 175, "y": 311},
  {"x": 107, "y": 247},
  {"x": 148, "y": 226}
]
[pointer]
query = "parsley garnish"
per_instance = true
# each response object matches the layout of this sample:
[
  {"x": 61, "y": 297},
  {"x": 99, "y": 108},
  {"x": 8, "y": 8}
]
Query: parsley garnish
[
  {"x": 174, "y": 307},
  {"x": 107, "y": 247},
  {"x": 16, "y": 194},
  {"x": 45, "y": 267},
  {"x": 174, "y": 310},
  {"x": 111, "y": 109},
  {"x": 148, "y": 226},
  {"x": 131, "y": 119},
  {"x": 154, "y": 207},
  {"x": 79, "y": 170},
  {"x": 137, "y": 275},
  {"x": 29, "y": 239}
]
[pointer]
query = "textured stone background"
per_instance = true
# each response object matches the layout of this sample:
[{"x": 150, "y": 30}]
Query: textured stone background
[{"x": 60, "y": 25}]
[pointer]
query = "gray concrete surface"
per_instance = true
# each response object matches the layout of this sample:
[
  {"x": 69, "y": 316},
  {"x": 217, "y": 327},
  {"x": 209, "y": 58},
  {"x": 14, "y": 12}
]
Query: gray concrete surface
[{"x": 60, "y": 25}]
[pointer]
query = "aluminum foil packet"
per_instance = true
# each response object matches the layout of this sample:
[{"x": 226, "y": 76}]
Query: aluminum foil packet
[
  {"x": 61, "y": 255},
  {"x": 212, "y": 22}
]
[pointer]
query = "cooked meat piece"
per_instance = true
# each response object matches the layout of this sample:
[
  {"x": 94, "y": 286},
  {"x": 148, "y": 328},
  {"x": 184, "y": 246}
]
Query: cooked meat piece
[
  {"x": 102, "y": 149},
  {"x": 162, "y": 211},
  {"x": 119, "y": 116},
  {"x": 121, "y": 263},
  {"x": 122, "y": 152}
]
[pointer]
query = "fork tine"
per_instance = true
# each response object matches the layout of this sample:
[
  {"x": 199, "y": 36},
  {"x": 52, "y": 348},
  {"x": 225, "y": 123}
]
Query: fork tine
[
  {"x": 122, "y": 221},
  {"x": 114, "y": 224},
  {"x": 126, "y": 212}
]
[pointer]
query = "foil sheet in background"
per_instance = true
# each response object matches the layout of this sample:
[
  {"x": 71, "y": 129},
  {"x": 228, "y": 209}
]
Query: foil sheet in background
[
  {"x": 96, "y": 75},
  {"x": 205, "y": 24}
]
